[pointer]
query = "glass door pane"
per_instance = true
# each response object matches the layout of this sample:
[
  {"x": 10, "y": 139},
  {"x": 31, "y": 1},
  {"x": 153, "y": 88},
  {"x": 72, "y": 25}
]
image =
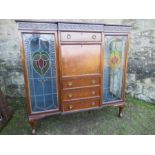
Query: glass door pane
[
  {"x": 114, "y": 59},
  {"x": 41, "y": 69}
]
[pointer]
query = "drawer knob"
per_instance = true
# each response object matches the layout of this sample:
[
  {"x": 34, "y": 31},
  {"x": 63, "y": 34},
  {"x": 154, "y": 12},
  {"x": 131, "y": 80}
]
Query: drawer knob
[
  {"x": 93, "y": 81},
  {"x": 68, "y": 36},
  {"x": 93, "y": 103},
  {"x": 70, "y": 95},
  {"x": 93, "y": 36},
  {"x": 70, "y": 107},
  {"x": 70, "y": 83},
  {"x": 93, "y": 93}
]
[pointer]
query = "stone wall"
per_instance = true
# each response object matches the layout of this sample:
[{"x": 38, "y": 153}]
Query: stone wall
[
  {"x": 141, "y": 70},
  {"x": 11, "y": 74}
]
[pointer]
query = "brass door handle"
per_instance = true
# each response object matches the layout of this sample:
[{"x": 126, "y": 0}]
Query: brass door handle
[
  {"x": 68, "y": 36},
  {"x": 93, "y": 103},
  {"x": 94, "y": 36},
  {"x": 70, "y": 83},
  {"x": 70, "y": 95},
  {"x": 93, "y": 81},
  {"x": 70, "y": 107},
  {"x": 93, "y": 93}
]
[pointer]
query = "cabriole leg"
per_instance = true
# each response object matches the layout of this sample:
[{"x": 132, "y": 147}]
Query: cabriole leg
[
  {"x": 33, "y": 124},
  {"x": 120, "y": 114}
]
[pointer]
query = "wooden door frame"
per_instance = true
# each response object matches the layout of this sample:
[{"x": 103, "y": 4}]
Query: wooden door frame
[
  {"x": 31, "y": 114},
  {"x": 125, "y": 64}
]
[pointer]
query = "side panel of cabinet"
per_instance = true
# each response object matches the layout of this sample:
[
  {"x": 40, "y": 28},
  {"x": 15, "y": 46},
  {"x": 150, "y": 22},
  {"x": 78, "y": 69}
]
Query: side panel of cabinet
[{"x": 40, "y": 65}]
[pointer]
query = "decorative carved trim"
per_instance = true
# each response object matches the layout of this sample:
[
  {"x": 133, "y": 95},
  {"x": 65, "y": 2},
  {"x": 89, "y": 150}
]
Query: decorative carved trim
[
  {"x": 72, "y": 27},
  {"x": 80, "y": 27},
  {"x": 113, "y": 28},
  {"x": 36, "y": 26}
]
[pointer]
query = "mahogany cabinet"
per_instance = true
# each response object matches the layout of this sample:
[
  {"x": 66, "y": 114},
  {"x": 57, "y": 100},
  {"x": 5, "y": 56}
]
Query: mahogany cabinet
[{"x": 72, "y": 67}]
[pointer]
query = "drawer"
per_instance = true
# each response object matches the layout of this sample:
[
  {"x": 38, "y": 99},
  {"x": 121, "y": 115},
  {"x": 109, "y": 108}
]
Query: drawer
[
  {"x": 81, "y": 82},
  {"x": 69, "y": 95},
  {"x": 84, "y": 104},
  {"x": 80, "y": 36}
]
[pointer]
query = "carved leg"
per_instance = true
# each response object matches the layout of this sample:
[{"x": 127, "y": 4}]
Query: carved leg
[
  {"x": 120, "y": 114},
  {"x": 33, "y": 125}
]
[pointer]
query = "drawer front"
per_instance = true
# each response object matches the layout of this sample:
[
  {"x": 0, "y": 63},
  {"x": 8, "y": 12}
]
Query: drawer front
[
  {"x": 84, "y": 104},
  {"x": 69, "y": 95},
  {"x": 81, "y": 82},
  {"x": 80, "y": 36}
]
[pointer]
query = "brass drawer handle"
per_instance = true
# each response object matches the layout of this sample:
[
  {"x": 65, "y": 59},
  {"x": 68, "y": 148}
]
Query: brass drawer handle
[
  {"x": 70, "y": 107},
  {"x": 93, "y": 93},
  {"x": 70, "y": 95},
  {"x": 70, "y": 83},
  {"x": 93, "y": 36},
  {"x": 93, "y": 103},
  {"x": 93, "y": 81},
  {"x": 68, "y": 36}
]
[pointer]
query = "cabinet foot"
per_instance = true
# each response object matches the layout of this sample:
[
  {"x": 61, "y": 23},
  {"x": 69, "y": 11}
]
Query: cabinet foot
[
  {"x": 33, "y": 125},
  {"x": 33, "y": 131},
  {"x": 120, "y": 114}
]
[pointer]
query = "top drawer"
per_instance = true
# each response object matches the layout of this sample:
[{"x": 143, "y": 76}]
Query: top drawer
[{"x": 80, "y": 36}]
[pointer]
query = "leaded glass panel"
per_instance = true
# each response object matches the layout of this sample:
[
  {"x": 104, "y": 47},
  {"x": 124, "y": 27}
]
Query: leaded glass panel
[
  {"x": 114, "y": 59},
  {"x": 41, "y": 68}
]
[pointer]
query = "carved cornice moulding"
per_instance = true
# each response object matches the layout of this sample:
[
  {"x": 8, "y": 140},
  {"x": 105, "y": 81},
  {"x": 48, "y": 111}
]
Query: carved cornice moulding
[
  {"x": 49, "y": 26},
  {"x": 36, "y": 26},
  {"x": 80, "y": 27},
  {"x": 116, "y": 28}
]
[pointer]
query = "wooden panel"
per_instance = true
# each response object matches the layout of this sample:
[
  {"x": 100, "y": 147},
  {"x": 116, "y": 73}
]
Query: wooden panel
[
  {"x": 80, "y": 59},
  {"x": 80, "y": 36},
  {"x": 80, "y": 93},
  {"x": 81, "y": 82},
  {"x": 77, "y": 105}
]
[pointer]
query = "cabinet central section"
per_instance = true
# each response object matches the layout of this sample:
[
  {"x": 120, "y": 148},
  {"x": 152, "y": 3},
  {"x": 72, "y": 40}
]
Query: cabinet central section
[{"x": 80, "y": 71}]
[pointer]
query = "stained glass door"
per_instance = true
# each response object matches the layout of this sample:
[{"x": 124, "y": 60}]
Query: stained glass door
[
  {"x": 114, "y": 60},
  {"x": 40, "y": 55}
]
